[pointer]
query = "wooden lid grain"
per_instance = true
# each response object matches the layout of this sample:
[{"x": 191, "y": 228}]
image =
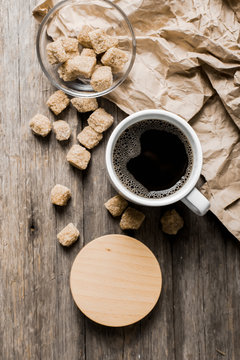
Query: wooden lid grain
[{"x": 115, "y": 280}]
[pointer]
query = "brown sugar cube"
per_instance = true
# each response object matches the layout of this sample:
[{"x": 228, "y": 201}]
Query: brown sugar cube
[
  {"x": 89, "y": 138},
  {"x": 40, "y": 125},
  {"x": 83, "y": 36},
  {"x": 58, "y": 101},
  {"x": 70, "y": 46},
  {"x": 56, "y": 52},
  {"x": 100, "y": 41},
  {"x": 116, "y": 205},
  {"x": 79, "y": 157},
  {"x": 68, "y": 235},
  {"x": 81, "y": 65},
  {"x": 131, "y": 219},
  {"x": 100, "y": 120},
  {"x": 88, "y": 52},
  {"x": 60, "y": 195},
  {"x": 98, "y": 66},
  {"x": 84, "y": 104},
  {"x": 62, "y": 130},
  {"x": 116, "y": 58},
  {"x": 84, "y": 65},
  {"x": 171, "y": 222},
  {"x": 102, "y": 78},
  {"x": 65, "y": 72},
  {"x": 77, "y": 66}
]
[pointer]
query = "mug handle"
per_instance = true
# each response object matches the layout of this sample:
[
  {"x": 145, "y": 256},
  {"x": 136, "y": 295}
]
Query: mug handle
[{"x": 196, "y": 202}]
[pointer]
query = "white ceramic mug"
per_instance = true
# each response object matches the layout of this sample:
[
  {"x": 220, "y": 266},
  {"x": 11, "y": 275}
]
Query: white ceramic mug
[{"x": 188, "y": 193}]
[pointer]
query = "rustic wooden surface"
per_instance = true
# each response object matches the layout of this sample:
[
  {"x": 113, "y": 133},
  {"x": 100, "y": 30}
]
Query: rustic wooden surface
[{"x": 198, "y": 314}]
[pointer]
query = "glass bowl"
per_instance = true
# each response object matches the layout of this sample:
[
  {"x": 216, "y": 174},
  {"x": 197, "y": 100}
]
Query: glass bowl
[{"x": 66, "y": 19}]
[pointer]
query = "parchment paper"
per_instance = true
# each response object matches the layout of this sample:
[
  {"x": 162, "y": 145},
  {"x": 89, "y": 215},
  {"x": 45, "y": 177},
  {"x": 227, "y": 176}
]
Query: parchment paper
[{"x": 188, "y": 62}]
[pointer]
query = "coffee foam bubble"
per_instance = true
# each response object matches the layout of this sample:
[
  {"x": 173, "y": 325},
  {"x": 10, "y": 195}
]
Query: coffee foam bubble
[{"x": 128, "y": 146}]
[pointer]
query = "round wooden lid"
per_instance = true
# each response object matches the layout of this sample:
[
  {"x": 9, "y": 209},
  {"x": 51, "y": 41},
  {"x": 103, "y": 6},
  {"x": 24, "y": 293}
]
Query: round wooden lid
[{"x": 115, "y": 280}]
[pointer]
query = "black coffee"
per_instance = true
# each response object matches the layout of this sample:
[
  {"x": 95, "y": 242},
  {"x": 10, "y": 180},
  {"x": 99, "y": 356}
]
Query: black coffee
[
  {"x": 153, "y": 158},
  {"x": 162, "y": 162}
]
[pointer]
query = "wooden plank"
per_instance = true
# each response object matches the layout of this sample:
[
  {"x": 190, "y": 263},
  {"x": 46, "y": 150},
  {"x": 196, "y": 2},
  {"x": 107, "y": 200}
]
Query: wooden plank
[
  {"x": 197, "y": 316},
  {"x": 232, "y": 289},
  {"x": 188, "y": 288},
  {"x": 157, "y": 332},
  {"x": 203, "y": 307},
  {"x": 40, "y": 319},
  {"x": 213, "y": 284}
]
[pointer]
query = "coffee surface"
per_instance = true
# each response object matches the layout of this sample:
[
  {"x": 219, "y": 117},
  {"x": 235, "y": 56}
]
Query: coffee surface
[
  {"x": 162, "y": 161},
  {"x": 152, "y": 158}
]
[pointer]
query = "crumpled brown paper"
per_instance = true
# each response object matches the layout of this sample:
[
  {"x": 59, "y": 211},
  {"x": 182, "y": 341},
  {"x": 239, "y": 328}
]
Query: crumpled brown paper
[{"x": 188, "y": 62}]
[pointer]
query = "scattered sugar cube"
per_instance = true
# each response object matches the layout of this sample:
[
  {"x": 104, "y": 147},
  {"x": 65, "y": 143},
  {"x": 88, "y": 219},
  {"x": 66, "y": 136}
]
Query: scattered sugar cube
[
  {"x": 79, "y": 157},
  {"x": 85, "y": 104},
  {"x": 171, "y": 222},
  {"x": 60, "y": 195},
  {"x": 116, "y": 205},
  {"x": 83, "y": 36},
  {"x": 68, "y": 235},
  {"x": 40, "y": 125},
  {"x": 131, "y": 219},
  {"x": 89, "y": 138},
  {"x": 70, "y": 46},
  {"x": 116, "y": 58},
  {"x": 102, "y": 78},
  {"x": 56, "y": 52},
  {"x": 88, "y": 52},
  {"x": 58, "y": 101},
  {"x": 100, "y": 41},
  {"x": 100, "y": 120},
  {"x": 62, "y": 130}
]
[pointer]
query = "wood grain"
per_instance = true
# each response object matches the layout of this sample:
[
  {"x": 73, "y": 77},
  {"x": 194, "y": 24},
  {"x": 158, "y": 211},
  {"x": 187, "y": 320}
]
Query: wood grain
[
  {"x": 115, "y": 280},
  {"x": 198, "y": 314}
]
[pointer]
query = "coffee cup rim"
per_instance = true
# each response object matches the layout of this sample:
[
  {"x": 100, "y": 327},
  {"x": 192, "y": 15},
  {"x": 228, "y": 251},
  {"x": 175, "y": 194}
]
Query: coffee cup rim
[{"x": 184, "y": 127}]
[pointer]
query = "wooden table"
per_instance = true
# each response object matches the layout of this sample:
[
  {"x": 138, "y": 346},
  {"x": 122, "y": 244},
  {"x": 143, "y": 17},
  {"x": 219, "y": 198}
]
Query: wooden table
[{"x": 198, "y": 314}]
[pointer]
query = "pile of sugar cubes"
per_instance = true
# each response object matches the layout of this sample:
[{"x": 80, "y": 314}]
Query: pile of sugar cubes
[
  {"x": 98, "y": 122},
  {"x": 92, "y": 55}
]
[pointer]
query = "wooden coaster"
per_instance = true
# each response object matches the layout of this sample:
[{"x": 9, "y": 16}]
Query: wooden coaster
[{"x": 115, "y": 280}]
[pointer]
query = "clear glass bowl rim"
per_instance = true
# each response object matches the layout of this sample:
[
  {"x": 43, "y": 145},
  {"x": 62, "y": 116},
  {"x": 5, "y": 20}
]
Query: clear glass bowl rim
[{"x": 76, "y": 93}]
